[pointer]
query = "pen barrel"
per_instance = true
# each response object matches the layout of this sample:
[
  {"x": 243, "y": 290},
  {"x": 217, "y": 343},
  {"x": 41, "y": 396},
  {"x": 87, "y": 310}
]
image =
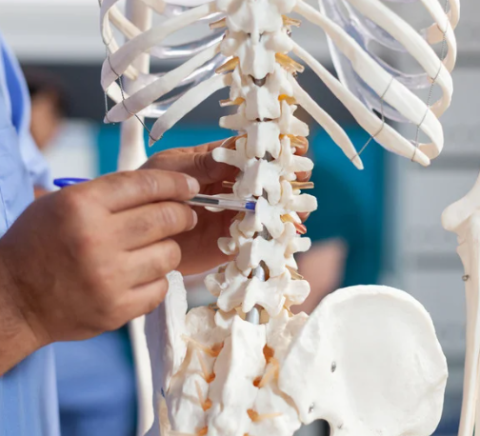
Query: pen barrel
[{"x": 218, "y": 204}]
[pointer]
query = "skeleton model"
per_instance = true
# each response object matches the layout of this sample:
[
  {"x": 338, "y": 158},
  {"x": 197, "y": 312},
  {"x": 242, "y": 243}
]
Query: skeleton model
[{"x": 367, "y": 360}]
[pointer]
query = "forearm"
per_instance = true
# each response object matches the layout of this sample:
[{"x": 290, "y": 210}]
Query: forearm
[{"x": 17, "y": 340}]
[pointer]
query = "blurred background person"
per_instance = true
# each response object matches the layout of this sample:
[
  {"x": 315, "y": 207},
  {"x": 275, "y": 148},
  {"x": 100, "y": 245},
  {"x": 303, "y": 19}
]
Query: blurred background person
[{"x": 49, "y": 104}]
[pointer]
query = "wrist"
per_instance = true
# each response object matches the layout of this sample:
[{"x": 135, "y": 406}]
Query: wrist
[{"x": 17, "y": 338}]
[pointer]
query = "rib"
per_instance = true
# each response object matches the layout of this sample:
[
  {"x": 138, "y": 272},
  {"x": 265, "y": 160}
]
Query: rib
[
  {"x": 398, "y": 96},
  {"x": 119, "y": 61},
  {"x": 186, "y": 103},
  {"x": 415, "y": 45},
  {"x": 384, "y": 134},
  {"x": 328, "y": 123},
  {"x": 147, "y": 95}
]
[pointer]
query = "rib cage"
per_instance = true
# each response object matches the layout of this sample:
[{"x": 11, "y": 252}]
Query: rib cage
[
  {"x": 366, "y": 82},
  {"x": 366, "y": 32}
]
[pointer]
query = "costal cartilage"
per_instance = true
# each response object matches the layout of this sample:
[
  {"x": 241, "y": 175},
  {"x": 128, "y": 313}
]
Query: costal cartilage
[{"x": 463, "y": 218}]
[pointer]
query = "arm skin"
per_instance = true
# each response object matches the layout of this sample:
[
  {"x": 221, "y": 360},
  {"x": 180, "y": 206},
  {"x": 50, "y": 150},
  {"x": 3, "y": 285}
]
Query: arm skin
[{"x": 17, "y": 340}]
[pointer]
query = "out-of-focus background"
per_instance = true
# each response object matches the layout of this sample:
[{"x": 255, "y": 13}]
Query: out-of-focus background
[{"x": 387, "y": 217}]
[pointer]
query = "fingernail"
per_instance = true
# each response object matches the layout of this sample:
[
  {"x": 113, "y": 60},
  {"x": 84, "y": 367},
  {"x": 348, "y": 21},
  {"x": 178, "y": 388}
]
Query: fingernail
[
  {"x": 193, "y": 185},
  {"x": 195, "y": 219}
]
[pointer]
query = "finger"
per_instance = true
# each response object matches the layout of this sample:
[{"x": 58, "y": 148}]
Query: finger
[
  {"x": 304, "y": 176},
  {"x": 126, "y": 190},
  {"x": 146, "y": 298},
  {"x": 146, "y": 225},
  {"x": 203, "y": 148},
  {"x": 222, "y": 143},
  {"x": 200, "y": 165},
  {"x": 153, "y": 262},
  {"x": 304, "y": 216},
  {"x": 301, "y": 148}
]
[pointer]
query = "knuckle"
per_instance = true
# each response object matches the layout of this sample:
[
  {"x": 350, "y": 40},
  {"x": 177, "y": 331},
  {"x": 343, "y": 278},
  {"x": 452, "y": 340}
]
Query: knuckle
[
  {"x": 172, "y": 253},
  {"x": 148, "y": 182},
  {"x": 106, "y": 278},
  {"x": 177, "y": 182},
  {"x": 142, "y": 224},
  {"x": 109, "y": 314},
  {"x": 103, "y": 282},
  {"x": 144, "y": 182},
  {"x": 174, "y": 217},
  {"x": 84, "y": 242},
  {"x": 71, "y": 202},
  {"x": 200, "y": 163},
  {"x": 168, "y": 216},
  {"x": 86, "y": 239},
  {"x": 158, "y": 297},
  {"x": 156, "y": 160},
  {"x": 110, "y": 322}
]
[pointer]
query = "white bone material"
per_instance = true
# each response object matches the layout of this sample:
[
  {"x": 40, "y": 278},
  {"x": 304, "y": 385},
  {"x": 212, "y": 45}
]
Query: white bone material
[
  {"x": 370, "y": 364},
  {"x": 382, "y": 83},
  {"x": 367, "y": 360},
  {"x": 463, "y": 218},
  {"x": 365, "y": 350}
]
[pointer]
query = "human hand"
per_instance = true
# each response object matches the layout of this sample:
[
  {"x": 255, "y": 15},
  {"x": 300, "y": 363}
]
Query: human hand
[
  {"x": 90, "y": 258},
  {"x": 200, "y": 250}
]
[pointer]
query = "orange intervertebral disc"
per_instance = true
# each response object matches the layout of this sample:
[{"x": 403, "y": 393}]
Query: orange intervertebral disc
[
  {"x": 218, "y": 24},
  {"x": 288, "y": 63},
  {"x": 230, "y": 65}
]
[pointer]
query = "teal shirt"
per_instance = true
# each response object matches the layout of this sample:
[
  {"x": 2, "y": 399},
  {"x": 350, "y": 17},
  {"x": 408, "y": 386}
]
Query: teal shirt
[{"x": 350, "y": 204}]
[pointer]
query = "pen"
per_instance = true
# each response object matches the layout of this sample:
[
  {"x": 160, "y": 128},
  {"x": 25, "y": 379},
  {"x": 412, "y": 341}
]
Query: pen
[{"x": 199, "y": 199}]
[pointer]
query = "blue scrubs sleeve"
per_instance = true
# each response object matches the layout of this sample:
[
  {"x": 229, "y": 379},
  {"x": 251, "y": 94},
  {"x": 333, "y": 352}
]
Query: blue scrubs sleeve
[
  {"x": 19, "y": 100},
  {"x": 28, "y": 395}
]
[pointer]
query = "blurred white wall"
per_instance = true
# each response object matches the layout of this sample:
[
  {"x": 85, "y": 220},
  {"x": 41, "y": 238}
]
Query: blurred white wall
[
  {"x": 68, "y": 30},
  {"x": 74, "y": 151}
]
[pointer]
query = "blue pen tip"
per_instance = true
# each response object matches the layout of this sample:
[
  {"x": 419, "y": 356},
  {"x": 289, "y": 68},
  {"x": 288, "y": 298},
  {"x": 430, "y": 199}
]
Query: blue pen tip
[
  {"x": 62, "y": 183},
  {"x": 250, "y": 205}
]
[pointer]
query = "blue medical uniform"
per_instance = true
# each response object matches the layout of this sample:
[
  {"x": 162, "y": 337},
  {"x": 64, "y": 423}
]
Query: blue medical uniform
[
  {"x": 94, "y": 378},
  {"x": 96, "y": 386},
  {"x": 28, "y": 395}
]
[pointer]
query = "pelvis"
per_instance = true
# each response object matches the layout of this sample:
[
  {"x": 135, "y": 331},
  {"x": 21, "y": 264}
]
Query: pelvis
[{"x": 367, "y": 361}]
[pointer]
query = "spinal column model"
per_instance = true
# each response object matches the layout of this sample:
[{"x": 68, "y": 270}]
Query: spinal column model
[{"x": 367, "y": 360}]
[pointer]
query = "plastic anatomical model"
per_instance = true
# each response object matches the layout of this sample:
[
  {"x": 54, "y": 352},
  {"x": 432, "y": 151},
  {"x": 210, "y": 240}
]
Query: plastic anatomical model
[{"x": 367, "y": 360}]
